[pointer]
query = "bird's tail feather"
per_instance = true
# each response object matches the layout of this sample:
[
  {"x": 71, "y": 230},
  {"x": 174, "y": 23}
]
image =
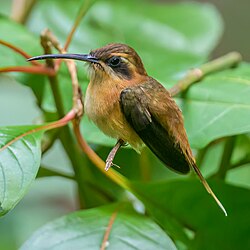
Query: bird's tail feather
[{"x": 207, "y": 187}]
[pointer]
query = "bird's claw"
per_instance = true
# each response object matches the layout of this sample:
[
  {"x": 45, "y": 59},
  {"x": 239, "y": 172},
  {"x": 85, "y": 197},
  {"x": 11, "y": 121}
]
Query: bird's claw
[{"x": 109, "y": 164}]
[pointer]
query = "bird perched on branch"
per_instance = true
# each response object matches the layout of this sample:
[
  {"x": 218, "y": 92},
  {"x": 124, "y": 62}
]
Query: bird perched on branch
[{"x": 127, "y": 104}]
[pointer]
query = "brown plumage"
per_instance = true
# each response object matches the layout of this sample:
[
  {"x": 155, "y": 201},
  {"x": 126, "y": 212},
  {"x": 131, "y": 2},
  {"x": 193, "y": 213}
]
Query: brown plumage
[
  {"x": 122, "y": 93},
  {"x": 127, "y": 104}
]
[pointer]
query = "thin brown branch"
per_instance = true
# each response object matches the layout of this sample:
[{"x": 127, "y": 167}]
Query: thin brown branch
[
  {"x": 77, "y": 93},
  {"x": 94, "y": 158},
  {"x": 195, "y": 75},
  {"x": 83, "y": 10},
  {"x": 48, "y": 36},
  {"x": 19, "y": 51},
  {"x": 40, "y": 70},
  {"x": 48, "y": 40},
  {"x": 46, "y": 43},
  {"x": 97, "y": 161},
  {"x": 108, "y": 231},
  {"x": 21, "y": 9},
  {"x": 57, "y": 124}
]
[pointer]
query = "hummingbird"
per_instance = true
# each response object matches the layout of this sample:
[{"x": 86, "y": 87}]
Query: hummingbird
[{"x": 129, "y": 105}]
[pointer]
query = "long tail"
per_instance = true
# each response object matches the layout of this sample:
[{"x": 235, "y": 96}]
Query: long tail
[{"x": 209, "y": 190}]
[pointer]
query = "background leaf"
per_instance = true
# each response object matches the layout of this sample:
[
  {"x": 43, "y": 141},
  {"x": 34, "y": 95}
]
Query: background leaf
[
  {"x": 30, "y": 44},
  {"x": 188, "y": 202},
  {"x": 86, "y": 229},
  {"x": 25, "y": 40},
  {"x": 218, "y": 107},
  {"x": 19, "y": 164}
]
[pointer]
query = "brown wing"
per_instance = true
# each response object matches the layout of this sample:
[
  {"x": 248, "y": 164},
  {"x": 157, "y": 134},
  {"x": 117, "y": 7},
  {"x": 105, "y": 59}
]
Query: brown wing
[{"x": 156, "y": 118}]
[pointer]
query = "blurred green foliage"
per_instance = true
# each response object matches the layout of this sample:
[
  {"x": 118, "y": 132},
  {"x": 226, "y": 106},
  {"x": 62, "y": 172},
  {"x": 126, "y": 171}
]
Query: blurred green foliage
[{"x": 171, "y": 39}]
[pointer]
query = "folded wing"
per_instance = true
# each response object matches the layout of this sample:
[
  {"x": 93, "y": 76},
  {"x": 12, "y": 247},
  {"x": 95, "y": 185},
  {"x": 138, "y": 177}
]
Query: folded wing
[{"x": 156, "y": 118}]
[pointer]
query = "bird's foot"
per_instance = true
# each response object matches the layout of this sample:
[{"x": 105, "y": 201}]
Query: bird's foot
[
  {"x": 109, "y": 164},
  {"x": 111, "y": 156}
]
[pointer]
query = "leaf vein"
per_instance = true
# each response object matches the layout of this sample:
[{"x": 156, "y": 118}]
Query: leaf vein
[
  {"x": 19, "y": 165},
  {"x": 4, "y": 183},
  {"x": 80, "y": 235},
  {"x": 140, "y": 232},
  {"x": 26, "y": 144},
  {"x": 128, "y": 243}
]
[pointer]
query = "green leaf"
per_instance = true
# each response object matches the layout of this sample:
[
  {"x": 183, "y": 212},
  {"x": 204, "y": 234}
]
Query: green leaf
[
  {"x": 188, "y": 202},
  {"x": 19, "y": 164},
  {"x": 5, "y": 7},
  {"x": 86, "y": 230},
  {"x": 219, "y": 106},
  {"x": 18, "y": 35}
]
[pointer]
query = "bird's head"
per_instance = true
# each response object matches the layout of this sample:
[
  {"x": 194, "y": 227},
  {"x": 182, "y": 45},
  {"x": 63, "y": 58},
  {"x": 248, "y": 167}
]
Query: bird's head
[{"x": 115, "y": 61}]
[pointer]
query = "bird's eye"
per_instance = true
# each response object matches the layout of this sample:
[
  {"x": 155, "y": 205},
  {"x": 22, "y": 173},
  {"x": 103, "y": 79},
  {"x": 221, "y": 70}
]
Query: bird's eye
[{"x": 114, "y": 61}]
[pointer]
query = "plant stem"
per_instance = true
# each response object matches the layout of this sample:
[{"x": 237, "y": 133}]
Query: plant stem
[
  {"x": 57, "y": 96},
  {"x": 195, "y": 75},
  {"x": 226, "y": 157},
  {"x": 68, "y": 142},
  {"x": 201, "y": 155},
  {"x": 69, "y": 145},
  {"x": 82, "y": 12},
  {"x": 28, "y": 69},
  {"x": 244, "y": 161},
  {"x": 18, "y": 51},
  {"x": 21, "y": 9},
  {"x": 98, "y": 162},
  {"x": 66, "y": 137},
  {"x": 57, "y": 124}
]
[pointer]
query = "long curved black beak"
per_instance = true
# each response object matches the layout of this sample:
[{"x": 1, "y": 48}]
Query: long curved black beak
[{"x": 79, "y": 57}]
